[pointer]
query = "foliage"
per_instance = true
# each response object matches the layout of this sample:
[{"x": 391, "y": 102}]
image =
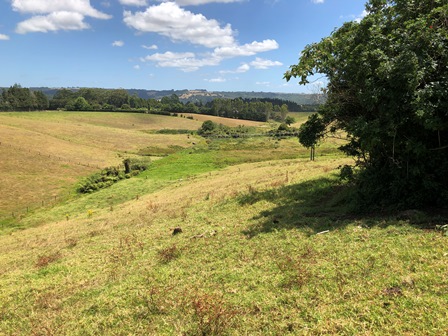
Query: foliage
[
  {"x": 312, "y": 131},
  {"x": 388, "y": 81},
  {"x": 289, "y": 120},
  {"x": 173, "y": 131},
  {"x": 17, "y": 98},
  {"x": 111, "y": 175},
  {"x": 211, "y": 129}
]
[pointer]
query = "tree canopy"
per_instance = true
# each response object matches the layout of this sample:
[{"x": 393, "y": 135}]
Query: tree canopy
[
  {"x": 17, "y": 98},
  {"x": 388, "y": 91}
]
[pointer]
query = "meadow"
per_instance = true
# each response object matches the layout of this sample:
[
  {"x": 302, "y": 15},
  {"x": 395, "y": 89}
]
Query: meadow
[{"x": 268, "y": 244}]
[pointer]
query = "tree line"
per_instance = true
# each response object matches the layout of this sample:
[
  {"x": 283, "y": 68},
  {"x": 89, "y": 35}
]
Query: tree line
[{"x": 17, "y": 98}]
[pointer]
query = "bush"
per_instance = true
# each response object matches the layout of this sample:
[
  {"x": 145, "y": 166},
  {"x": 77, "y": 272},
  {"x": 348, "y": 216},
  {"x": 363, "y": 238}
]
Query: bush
[{"x": 111, "y": 175}]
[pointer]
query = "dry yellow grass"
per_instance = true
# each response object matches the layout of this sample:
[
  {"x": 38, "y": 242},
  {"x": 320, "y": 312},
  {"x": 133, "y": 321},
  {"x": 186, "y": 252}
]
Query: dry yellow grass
[
  {"x": 224, "y": 121},
  {"x": 45, "y": 153}
]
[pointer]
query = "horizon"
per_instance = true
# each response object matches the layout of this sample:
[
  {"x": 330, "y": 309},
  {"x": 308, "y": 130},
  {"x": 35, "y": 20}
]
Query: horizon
[{"x": 142, "y": 89}]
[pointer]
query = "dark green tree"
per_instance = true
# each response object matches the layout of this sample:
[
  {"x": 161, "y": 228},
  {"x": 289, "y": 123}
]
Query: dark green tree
[
  {"x": 40, "y": 100},
  {"x": 17, "y": 98},
  {"x": 207, "y": 127},
  {"x": 289, "y": 120},
  {"x": 61, "y": 98},
  {"x": 118, "y": 98},
  {"x": 387, "y": 90},
  {"x": 78, "y": 104}
]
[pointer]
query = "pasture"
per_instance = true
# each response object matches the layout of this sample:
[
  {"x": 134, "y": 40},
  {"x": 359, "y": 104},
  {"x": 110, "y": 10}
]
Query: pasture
[
  {"x": 268, "y": 246},
  {"x": 44, "y": 154}
]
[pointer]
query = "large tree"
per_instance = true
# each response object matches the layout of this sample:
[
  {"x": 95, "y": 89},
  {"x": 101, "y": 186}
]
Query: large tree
[{"x": 388, "y": 91}]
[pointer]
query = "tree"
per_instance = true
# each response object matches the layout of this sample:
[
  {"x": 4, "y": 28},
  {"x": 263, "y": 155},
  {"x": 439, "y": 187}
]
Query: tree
[
  {"x": 40, "y": 100},
  {"x": 207, "y": 127},
  {"x": 289, "y": 120},
  {"x": 118, "y": 98},
  {"x": 17, "y": 98},
  {"x": 284, "y": 111},
  {"x": 387, "y": 89},
  {"x": 78, "y": 104}
]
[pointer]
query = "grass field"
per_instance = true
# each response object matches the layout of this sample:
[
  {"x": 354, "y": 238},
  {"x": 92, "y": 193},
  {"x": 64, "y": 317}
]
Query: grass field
[
  {"x": 267, "y": 248},
  {"x": 44, "y": 154}
]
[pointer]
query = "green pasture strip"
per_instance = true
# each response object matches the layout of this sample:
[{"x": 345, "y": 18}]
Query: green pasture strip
[{"x": 204, "y": 158}]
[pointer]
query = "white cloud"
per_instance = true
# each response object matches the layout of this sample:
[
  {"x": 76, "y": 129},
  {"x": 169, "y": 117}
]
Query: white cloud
[
  {"x": 261, "y": 63},
  {"x": 51, "y": 6},
  {"x": 4, "y": 37},
  {"x": 356, "y": 18},
  {"x": 242, "y": 68},
  {"x": 361, "y": 16},
  {"x": 168, "y": 19},
  {"x": 249, "y": 49},
  {"x": 134, "y": 2},
  {"x": 262, "y": 83},
  {"x": 199, "y": 2},
  {"x": 216, "y": 80},
  {"x": 117, "y": 43},
  {"x": 137, "y": 67},
  {"x": 60, "y": 15},
  {"x": 52, "y": 22},
  {"x": 317, "y": 1},
  {"x": 185, "y": 61},
  {"x": 189, "y": 61},
  {"x": 168, "y": 56},
  {"x": 151, "y": 47}
]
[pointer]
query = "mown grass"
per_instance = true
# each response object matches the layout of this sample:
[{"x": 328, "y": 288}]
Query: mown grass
[{"x": 268, "y": 247}]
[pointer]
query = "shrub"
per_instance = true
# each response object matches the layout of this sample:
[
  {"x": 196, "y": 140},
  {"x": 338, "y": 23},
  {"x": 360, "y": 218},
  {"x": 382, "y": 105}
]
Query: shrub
[{"x": 111, "y": 175}]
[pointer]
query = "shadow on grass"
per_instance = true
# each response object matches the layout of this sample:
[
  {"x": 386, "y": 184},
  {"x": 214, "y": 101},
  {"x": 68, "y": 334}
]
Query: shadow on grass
[
  {"x": 323, "y": 204},
  {"x": 315, "y": 206}
]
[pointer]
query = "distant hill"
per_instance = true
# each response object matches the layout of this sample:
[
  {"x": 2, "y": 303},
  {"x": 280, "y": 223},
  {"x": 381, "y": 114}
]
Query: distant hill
[{"x": 204, "y": 95}]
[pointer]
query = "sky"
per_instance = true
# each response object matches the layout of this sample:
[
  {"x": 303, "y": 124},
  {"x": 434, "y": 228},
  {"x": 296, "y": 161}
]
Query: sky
[{"x": 217, "y": 45}]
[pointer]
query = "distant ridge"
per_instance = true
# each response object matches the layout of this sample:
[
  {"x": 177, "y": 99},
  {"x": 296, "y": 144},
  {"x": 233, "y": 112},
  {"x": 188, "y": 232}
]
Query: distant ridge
[{"x": 203, "y": 95}]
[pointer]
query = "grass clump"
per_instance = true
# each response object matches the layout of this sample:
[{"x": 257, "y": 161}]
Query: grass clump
[{"x": 168, "y": 254}]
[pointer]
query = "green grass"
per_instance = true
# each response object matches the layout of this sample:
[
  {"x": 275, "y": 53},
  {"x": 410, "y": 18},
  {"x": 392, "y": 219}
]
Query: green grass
[
  {"x": 243, "y": 265},
  {"x": 268, "y": 247}
]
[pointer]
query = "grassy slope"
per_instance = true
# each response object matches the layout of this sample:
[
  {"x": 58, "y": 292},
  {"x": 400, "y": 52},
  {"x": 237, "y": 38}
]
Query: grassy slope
[
  {"x": 254, "y": 257},
  {"x": 46, "y": 153}
]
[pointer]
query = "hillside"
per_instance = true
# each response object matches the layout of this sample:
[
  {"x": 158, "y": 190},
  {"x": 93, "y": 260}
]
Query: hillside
[{"x": 268, "y": 246}]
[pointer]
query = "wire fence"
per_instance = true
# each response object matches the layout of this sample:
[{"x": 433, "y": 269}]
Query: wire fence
[{"x": 21, "y": 211}]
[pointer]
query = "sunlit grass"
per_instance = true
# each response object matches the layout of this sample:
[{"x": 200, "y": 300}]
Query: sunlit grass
[{"x": 268, "y": 247}]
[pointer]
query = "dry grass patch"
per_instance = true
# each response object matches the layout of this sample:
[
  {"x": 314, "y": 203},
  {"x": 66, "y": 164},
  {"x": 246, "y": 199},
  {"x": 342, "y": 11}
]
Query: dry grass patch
[
  {"x": 225, "y": 121},
  {"x": 28, "y": 179},
  {"x": 46, "y": 153}
]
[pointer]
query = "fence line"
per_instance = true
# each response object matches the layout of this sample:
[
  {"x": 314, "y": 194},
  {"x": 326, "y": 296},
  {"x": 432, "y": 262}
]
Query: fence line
[{"x": 18, "y": 212}]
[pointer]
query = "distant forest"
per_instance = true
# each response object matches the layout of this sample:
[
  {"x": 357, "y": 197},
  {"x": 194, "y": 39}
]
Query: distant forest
[{"x": 17, "y": 98}]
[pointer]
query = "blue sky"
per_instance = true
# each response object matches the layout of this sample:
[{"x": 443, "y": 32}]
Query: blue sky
[{"x": 218, "y": 45}]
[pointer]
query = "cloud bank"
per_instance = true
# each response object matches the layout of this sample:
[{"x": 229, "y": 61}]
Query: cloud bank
[
  {"x": 53, "y": 15},
  {"x": 180, "y": 25}
]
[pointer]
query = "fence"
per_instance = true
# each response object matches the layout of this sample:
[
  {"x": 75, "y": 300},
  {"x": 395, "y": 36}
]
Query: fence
[{"x": 49, "y": 201}]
